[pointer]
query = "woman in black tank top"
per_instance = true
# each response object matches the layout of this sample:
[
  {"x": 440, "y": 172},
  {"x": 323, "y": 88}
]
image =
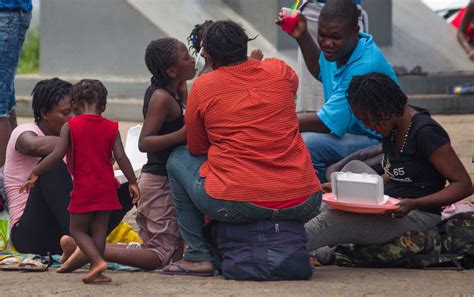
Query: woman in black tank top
[{"x": 156, "y": 163}]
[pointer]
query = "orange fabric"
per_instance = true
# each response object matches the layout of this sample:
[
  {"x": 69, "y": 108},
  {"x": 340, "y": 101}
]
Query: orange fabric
[{"x": 243, "y": 117}]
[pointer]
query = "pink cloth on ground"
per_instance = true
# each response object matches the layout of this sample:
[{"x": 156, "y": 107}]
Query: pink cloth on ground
[{"x": 17, "y": 169}]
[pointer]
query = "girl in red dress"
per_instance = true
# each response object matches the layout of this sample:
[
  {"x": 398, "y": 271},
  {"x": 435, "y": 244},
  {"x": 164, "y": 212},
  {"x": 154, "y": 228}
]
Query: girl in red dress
[{"x": 89, "y": 140}]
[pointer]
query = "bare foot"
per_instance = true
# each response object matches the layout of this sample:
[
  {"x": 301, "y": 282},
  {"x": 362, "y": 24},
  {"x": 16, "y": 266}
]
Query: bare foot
[
  {"x": 95, "y": 272},
  {"x": 100, "y": 279},
  {"x": 75, "y": 261},
  {"x": 68, "y": 245}
]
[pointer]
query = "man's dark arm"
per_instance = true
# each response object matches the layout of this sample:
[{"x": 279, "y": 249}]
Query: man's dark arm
[{"x": 310, "y": 122}]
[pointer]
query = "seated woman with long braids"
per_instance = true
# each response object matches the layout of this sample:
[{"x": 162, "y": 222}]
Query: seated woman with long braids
[
  {"x": 418, "y": 160},
  {"x": 245, "y": 160}
]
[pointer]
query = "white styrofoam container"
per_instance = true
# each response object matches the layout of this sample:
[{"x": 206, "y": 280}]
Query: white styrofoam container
[{"x": 358, "y": 188}]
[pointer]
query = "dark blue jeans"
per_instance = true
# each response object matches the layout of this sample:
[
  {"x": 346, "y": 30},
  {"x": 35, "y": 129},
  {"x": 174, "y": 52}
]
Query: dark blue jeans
[
  {"x": 192, "y": 203},
  {"x": 13, "y": 26}
]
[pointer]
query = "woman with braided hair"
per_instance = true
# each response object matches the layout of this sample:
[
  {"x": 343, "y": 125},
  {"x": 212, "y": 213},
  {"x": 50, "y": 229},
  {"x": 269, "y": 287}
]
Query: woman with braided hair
[
  {"x": 418, "y": 160},
  {"x": 244, "y": 151},
  {"x": 39, "y": 219}
]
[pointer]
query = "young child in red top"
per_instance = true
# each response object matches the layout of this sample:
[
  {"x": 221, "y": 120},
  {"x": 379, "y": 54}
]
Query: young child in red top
[{"x": 89, "y": 140}]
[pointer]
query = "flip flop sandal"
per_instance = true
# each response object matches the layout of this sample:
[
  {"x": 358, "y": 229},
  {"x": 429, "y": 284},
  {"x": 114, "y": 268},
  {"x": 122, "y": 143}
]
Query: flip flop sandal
[
  {"x": 184, "y": 271},
  {"x": 10, "y": 263},
  {"x": 36, "y": 264}
]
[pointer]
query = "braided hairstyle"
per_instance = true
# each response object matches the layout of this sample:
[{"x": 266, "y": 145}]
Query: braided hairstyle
[
  {"x": 160, "y": 55},
  {"x": 341, "y": 11},
  {"x": 376, "y": 96},
  {"x": 226, "y": 42},
  {"x": 46, "y": 94},
  {"x": 195, "y": 38},
  {"x": 89, "y": 91}
]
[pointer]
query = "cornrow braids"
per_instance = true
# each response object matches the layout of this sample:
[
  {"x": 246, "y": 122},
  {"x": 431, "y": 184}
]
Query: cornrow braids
[
  {"x": 226, "y": 42},
  {"x": 89, "y": 91},
  {"x": 377, "y": 97},
  {"x": 195, "y": 38},
  {"x": 160, "y": 55},
  {"x": 46, "y": 94}
]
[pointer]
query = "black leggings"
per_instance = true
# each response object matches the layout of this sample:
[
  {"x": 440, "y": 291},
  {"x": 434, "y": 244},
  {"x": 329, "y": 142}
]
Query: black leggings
[{"x": 46, "y": 217}]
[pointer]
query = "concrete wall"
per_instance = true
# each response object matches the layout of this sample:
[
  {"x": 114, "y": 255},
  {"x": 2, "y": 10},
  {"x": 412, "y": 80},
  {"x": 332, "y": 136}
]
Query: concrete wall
[
  {"x": 380, "y": 20},
  {"x": 261, "y": 14},
  {"x": 91, "y": 37}
]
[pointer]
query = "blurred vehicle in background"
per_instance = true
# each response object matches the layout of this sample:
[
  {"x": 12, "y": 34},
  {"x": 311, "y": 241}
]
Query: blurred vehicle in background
[{"x": 447, "y": 9}]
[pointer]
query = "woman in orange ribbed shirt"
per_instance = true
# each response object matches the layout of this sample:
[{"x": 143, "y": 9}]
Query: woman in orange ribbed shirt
[{"x": 245, "y": 160}]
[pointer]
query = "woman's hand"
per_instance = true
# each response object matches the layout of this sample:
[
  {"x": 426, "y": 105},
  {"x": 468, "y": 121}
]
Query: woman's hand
[
  {"x": 406, "y": 205},
  {"x": 326, "y": 187},
  {"x": 29, "y": 184},
  {"x": 134, "y": 192},
  {"x": 181, "y": 133}
]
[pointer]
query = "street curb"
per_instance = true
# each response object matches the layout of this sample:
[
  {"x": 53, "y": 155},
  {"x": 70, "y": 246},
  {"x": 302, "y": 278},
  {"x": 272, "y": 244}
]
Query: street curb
[
  {"x": 117, "y": 109},
  {"x": 131, "y": 109}
]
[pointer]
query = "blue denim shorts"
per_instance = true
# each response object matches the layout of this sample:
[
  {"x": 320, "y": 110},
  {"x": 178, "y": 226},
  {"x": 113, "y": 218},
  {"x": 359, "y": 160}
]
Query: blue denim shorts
[{"x": 13, "y": 27}]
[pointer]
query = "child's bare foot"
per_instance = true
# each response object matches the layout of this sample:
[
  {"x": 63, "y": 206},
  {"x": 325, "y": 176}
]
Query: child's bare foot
[
  {"x": 99, "y": 279},
  {"x": 68, "y": 245},
  {"x": 75, "y": 261},
  {"x": 95, "y": 272}
]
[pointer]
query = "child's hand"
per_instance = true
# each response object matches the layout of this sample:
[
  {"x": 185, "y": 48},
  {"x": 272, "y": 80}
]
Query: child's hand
[
  {"x": 256, "y": 54},
  {"x": 134, "y": 192},
  {"x": 29, "y": 183}
]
